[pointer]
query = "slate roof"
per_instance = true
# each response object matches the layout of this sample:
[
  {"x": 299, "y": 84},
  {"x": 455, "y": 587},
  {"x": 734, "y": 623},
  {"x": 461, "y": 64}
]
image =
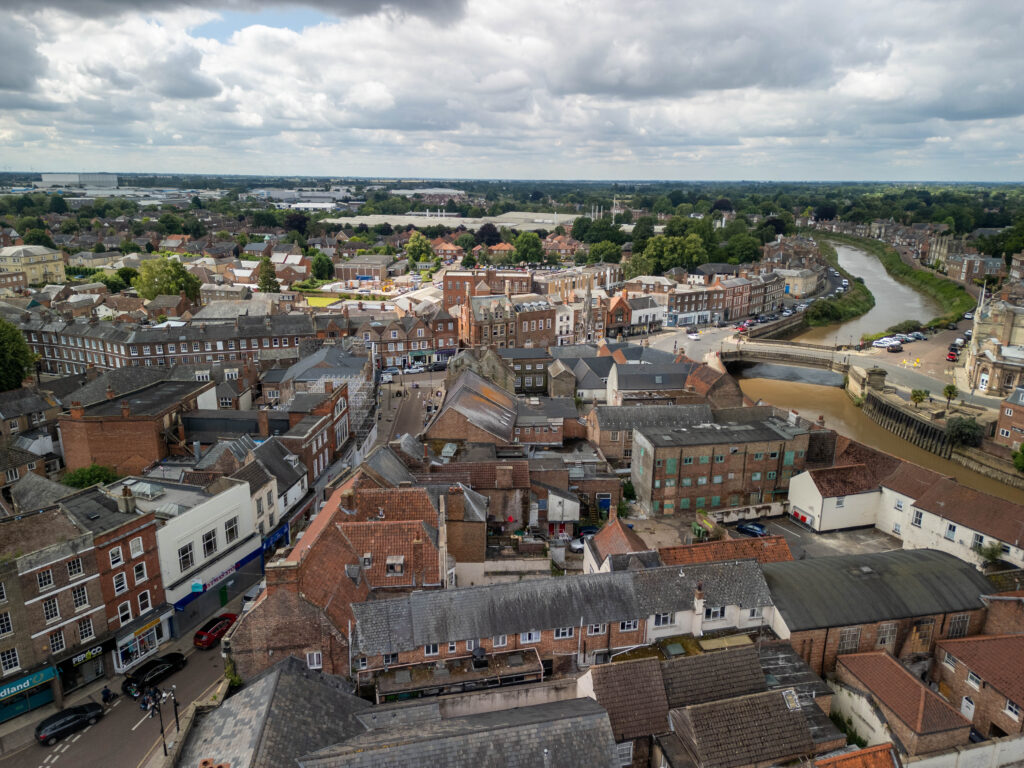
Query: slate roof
[
  {"x": 628, "y": 417},
  {"x": 746, "y": 730},
  {"x": 483, "y": 404},
  {"x": 708, "y": 677},
  {"x": 283, "y": 713},
  {"x": 634, "y": 696},
  {"x": 784, "y": 669},
  {"x": 32, "y": 492},
  {"x": 121, "y": 380},
  {"x": 273, "y": 454},
  {"x": 989, "y": 658},
  {"x": 11, "y": 457},
  {"x": 653, "y": 377},
  {"x": 19, "y": 402},
  {"x": 384, "y": 463},
  {"x": 765, "y": 549},
  {"x": 847, "y": 590},
  {"x": 469, "y": 613},
  {"x": 253, "y": 473},
  {"x": 562, "y": 733},
  {"x": 95, "y": 511},
  {"x": 891, "y": 684},
  {"x": 239, "y": 447},
  {"x": 150, "y": 400}
]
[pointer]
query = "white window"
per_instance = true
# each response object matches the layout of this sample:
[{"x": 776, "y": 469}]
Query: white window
[
  {"x": 210, "y": 543},
  {"x": 714, "y": 612},
  {"x": 80, "y": 597},
  {"x": 896, "y": 528},
  {"x": 471, "y": 645},
  {"x": 185, "y": 558},
  {"x": 973, "y": 680},
  {"x": 44, "y": 579},
  {"x": 12, "y": 475},
  {"x": 949, "y": 660},
  {"x": 9, "y": 660},
  {"x": 51, "y": 611},
  {"x": 533, "y": 636},
  {"x": 563, "y": 633},
  {"x": 314, "y": 660},
  {"x": 849, "y": 640},
  {"x": 754, "y": 613},
  {"x": 1012, "y": 710},
  {"x": 124, "y": 612},
  {"x": 899, "y": 505},
  {"x": 6, "y": 627},
  {"x": 140, "y": 573},
  {"x": 1004, "y": 432},
  {"x": 144, "y": 602},
  {"x": 500, "y": 641},
  {"x": 231, "y": 530},
  {"x": 431, "y": 649},
  {"x": 950, "y": 531},
  {"x": 629, "y": 626},
  {"x": 624, "y": 753},
  {"x": 74, "y": 567},
  {"x": 917, "y": 518},
  {"x": 85, "y": 629},
  {"x": 115, "y": 557},
  {"x": 361, "y": 662},
  {"x": 664, "y": 619},
  {"x": 597, "y": 629},
  {"x": 452, "y": 646},
  {"x": 120, "y": 584},
  {"x": 57, "y": 641}
]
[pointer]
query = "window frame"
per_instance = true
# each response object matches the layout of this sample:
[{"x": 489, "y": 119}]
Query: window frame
[
  {"x": 114, "y": 563},
  {"x": 530, "y": 637}
]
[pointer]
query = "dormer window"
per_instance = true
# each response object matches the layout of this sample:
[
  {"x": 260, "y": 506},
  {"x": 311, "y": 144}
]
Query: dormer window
[
  {"x": 395, "y": 565},
  {"x": 367, "y": 559}
]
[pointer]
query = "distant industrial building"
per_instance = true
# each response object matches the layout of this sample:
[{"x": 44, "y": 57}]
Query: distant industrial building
[{"x": 105, "y": 180}]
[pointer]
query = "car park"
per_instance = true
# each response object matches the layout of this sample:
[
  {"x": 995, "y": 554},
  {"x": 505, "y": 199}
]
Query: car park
[
  {"x": 66, "y": 722},
  {"x": 149, "y": 673},
  {"x": 883, "y": 342},
  {"x": 919, "y": 336},
  {"x": 952, "y": 357},
  {"x": 751, "y": 528},
  {"x": 968, "y": 315}
]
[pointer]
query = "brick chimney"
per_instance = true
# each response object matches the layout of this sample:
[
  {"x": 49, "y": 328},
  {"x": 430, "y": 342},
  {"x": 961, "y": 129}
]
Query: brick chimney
[
  {"x": 328, "y": 387},
  {"x": 698, "y": 608},
  {"x": 110, "y": 392},
  {"x": 263, "y": 418},
  {"x": 126, "y": 501},
  {"x": 126, "y": 409},
  {"x": 283, "y": 575},
  {"x": 417, "y": 561},
  {"x": 77, "y": 411},
  {"x": 455, "y": 504}
]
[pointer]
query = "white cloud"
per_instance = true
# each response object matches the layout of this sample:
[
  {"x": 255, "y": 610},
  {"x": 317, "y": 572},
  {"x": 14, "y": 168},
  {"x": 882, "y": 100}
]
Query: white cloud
[{"x": 535, "y": 88}]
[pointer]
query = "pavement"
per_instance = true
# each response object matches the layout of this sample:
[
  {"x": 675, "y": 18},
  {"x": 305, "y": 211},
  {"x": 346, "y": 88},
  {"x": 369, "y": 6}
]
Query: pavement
[
  {"x": 125, "y": 736},
  {"x": 407, "y": 413}
]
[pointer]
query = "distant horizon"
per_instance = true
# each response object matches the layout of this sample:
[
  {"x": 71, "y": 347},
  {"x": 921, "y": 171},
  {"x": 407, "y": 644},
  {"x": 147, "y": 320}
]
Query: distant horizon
[{"x": 857, "y": 91}]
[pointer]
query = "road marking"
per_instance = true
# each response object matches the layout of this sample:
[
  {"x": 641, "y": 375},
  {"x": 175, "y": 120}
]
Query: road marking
[
  {"x": 784, "y": 530},
  {"x": 145, "y": 717},
  {"x": 77, "y": 736},
  {"x": 65, "y": 748}
]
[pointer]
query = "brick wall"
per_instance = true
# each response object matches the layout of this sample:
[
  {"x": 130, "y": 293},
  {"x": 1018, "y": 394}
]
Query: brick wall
[
  {"x": 143, "y": 527},
  {"x": 1004, "y": 617},
  {"x": 989, "y": 703},
  {"x": 128, "y": 445},
  {"x": 454, "y": 426}
]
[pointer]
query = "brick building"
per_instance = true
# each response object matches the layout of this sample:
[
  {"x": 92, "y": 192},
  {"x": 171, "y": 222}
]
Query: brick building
[
  {"x": 920, "y": 719},
  {"x": 902, "y": 601},
  {"x": 130, "y": 432},
  {"x": 535, "y": 322},
  {"x": 456, "y": 284},
  {"x": 1010, "y": 428},
  {"x": 745, "y": 457},
  {"x": 981, "y": 675},
  {"x": 610, "y": 428}
]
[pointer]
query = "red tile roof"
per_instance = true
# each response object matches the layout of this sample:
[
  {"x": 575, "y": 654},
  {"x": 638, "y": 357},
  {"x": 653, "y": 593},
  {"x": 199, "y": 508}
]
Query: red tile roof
[
  {"x": 920, "y": 709},
  {"x": 844, "y": 481},
  {"x": 406, "y": 539},
  {"x": 995, "y": 517},
  {"x": 616, "y": 538},
  {"x": 912, "y": 480},
  {"x": 394, "y": 503},
  {"x": 996, "y": 659},
  {"x": 880, "y": 756},
  {"x": 767, "y": 549}
]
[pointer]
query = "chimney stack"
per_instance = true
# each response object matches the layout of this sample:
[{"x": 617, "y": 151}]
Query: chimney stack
[
  {"x": 263, "y": 418},
  {"x": 126, "y": 409},
  {"x": 77, "y": 411},
  {"x": 126, "y": 501},
  {"x": 110, "y": 392}
]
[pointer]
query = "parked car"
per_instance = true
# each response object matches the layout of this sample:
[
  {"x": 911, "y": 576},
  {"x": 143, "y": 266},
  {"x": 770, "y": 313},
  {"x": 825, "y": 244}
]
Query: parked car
[
  {"x": 960, "y": 342},
  {"x": 968, "y": 333},
  {"x": 883, "y": 342},
  {"x": 693, "y": 335},
  {"x": 576, "y": 545},
  {"x": 897, "y": 347},
  {"x": 588, "y": 530},
  {"x": 968, "y": 315},
  {"x": 67, "y": 721},
  {"x": 951, "y": 326},
  {"x": 440, "y": 365},
  {"x": 787, "y": 312},
  {"x": 952, "y": 357},
  {"x": 414, "y": 369},
  {"x": 152, "y": 672},
  {"x": 919, "y": 336},
  {"x": 386, "y": 378},
  {"x": 752, "y": 529},
  {"x": 393, "y": 370},
  {"x": 212, "y": 631}
]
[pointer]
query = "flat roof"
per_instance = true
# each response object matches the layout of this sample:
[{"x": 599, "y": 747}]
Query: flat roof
[{"x": 148, "y": 401}]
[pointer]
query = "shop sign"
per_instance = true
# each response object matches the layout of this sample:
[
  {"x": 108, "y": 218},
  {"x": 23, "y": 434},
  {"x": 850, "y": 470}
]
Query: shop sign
[
  {"x": 92, "y": 653},
  {"x": 145, "y": 629},
  {"x": 219, "y": 577},
  {"x": 26, "y": 683}
]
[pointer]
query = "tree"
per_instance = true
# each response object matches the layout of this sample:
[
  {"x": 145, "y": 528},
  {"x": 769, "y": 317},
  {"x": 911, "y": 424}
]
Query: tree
[
  {"x": 127, "y": 274},
  {"x": 114, "y": 283},
  {"x": 57, "y": 204},
  {"x": 693, "y": 251},
  {"x": 83, "y": 477},
  {"x": 39, "y": 237},
  {"x": 643, "y": 230},
  {"x": 264, "y": 219},
  {"x": 293, "y": 220},
  {"x": 605, "y": 251},
  {"x": 469, "y": 260},
  {"x": 323, "y": 267},
  {"x": 488, "y": 235},
  {"x": 98, "y": 248},
  {"x": 266, "y": 278},
  {"x": 639, "y": 264},
  {"x": 528, "y": 248},
  {"x": 990, "y": 553},
  {"x": 949, "y": 392},
  {"x": 1018, "y": 460},
  {"x": 918, "y": 396},
  {"x": 744, "y": 248},
  {"x": 16, "y": 358},
  {"x": 466, "y": 241},
  {"x": 165, "y": 277},
  {"x": 964, "y": 431},
  {"x": 418, "y": 248},
  {"x": 580, "y": 228}
]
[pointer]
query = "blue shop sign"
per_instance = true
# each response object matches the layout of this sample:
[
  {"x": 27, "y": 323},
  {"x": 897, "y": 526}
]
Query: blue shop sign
[{"x": 26, "y": 683}]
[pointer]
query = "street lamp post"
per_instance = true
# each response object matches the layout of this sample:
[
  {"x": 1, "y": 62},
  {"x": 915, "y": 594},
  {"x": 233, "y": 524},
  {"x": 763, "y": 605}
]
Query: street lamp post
[
  {"x": 174, "y": 700},
  {"x": 156, "y": 708}
]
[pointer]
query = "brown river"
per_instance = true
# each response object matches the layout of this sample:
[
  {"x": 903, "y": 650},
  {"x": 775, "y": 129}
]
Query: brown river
[{"x": 819, "y": 399}]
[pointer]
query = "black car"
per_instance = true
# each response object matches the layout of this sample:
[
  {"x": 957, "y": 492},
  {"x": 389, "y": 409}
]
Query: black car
[
  {"x": 67, "y": 721},
  {"x": 151, "y": 673},
  {"x": 438, "y": 366}
]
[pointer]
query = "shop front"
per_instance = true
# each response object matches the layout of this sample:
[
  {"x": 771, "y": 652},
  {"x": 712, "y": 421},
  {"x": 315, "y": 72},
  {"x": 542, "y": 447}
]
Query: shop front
[
  {"x": 142, "y": 637},
  {"x": 26, "y": 693},
  {"x": 85, "y": 666},
  {"x": 213, "y": 588}
]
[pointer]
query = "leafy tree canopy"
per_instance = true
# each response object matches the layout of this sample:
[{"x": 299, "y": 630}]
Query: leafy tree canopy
[
  {"x": 16, "y": 359},
  {"x": 90, "y": 475},
  {"x": 165, "y": 277},
  {"x": 964, "y": 431},
  {"x": 266, "y": 277}
]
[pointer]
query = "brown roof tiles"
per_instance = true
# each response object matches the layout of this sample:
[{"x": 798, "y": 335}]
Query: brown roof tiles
[
  {"x": 767, "y": 549},
  {"x": 880, "y": 756},
  {"x": 617, "y": 539},
  {"x": 995, "y": 517},
  {"x": 996, "y": 659},
  {"x": 633, "y": 695}
]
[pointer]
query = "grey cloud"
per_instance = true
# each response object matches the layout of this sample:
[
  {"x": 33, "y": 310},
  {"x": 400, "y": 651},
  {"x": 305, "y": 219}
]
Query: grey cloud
[
  {"x": 177, "y": 76},
  {"x": 20, "y": 62},
  {"x": 442, "y": 9}
]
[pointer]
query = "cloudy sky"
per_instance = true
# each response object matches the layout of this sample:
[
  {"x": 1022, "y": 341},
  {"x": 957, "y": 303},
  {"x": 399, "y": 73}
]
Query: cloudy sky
[{"x": 602, "y": 89}]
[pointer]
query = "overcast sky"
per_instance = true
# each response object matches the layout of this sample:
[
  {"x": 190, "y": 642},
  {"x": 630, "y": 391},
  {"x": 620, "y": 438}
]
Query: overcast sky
[{"x": 601, "y": 89}]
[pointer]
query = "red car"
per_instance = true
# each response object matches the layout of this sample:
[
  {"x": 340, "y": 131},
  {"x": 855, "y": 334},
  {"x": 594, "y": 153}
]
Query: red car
[
  {"x": 212, "y": 631},
  {"x": 953, "y": 357}
]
